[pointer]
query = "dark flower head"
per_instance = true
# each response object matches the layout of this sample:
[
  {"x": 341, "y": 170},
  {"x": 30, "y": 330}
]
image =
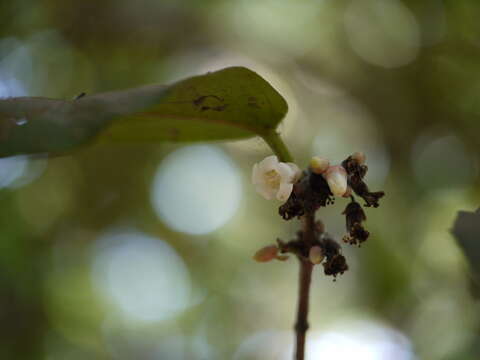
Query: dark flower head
[
  {"x": 335, "y": 262},
  {"x": 309, "y": 194},
  {"x": 354, "y": 216},
  {"x": 335, "y": 265},
  {"x": 356, "y": 171}
]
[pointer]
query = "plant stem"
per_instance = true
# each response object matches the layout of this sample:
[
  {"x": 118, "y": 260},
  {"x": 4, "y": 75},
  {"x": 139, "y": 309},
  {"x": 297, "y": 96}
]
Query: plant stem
[
  {"x": 305, "y": 279},
  {"x": 301, "y": 324},
  {"x": 273, "y": 139}
]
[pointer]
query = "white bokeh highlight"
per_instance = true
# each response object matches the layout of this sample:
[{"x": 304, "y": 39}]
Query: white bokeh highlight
[
  {"x": 353, "y": 130},
  {"x": 142, "y": 275},
  {"x": 442, "y": 162},
  {"x": 360, "y": 341},
  {"x": 196, "y": 189},
  {"x": 382, "y": 32},
  {"x": 265, "y": 345},
  {"x": 11, "y": 169}
]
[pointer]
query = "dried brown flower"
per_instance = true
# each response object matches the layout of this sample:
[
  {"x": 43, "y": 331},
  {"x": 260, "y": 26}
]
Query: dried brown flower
[
  {"x": 356, "y": 172},
  {"x": 355, "y": 215}
]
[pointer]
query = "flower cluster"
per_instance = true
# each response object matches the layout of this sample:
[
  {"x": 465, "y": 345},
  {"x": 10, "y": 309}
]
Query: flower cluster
[{"x": 303, "y": 193}]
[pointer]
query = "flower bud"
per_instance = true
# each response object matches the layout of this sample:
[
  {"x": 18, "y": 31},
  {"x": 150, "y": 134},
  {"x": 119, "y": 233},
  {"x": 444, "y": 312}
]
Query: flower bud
[
  {"x": 266, "y": 254},
  {"x": 336, "y": 177},
  {"x": 359, "y": 157},
  {"x": 316, "y": 255},
  {"x": 319, "y": 165}
]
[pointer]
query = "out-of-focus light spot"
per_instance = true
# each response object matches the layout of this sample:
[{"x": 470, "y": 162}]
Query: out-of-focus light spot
[
  {"x": 433, "y": 21},
  {"x": 442, "y": 162},
  {"x": 452, "y": 311},
  {"x": 268, "y": 21},
  {"x": 172, "y": 347},
  {"x": 382, "y": 32},
  {"x": 51, "y": 195},
  {"x": 160, "y": 342},
  {"x": 10, "y": 87},
  {"x": 142, "y": 275},
  {"x": 35, "y": 168},
  {"x": 431, "y": 217},
  {"x": 15, "y": 68},
  {"x": 196, "y": 189},
  {"x": 316, "y": 84},
  {"x": 11, "y": 169},
  {"x": 265, "y": 345},
  {"x": 360, "y": 341},
  {"x": 52, "y": 72},
  {"x": 18, "y": 171},
  {"x": 352, "y": 131}
]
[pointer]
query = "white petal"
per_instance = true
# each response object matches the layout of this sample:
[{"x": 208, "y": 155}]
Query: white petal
[
  {"x": 255, "y": 174},
  {"x": 286, "y": 172},
  {"x": 296, "y": 171},
  {"x": 269, "y": 163},
  {"x": 336, "y": 177},
  {"x": 266, "y": 191},
  {"x": 284, "y": 191}
]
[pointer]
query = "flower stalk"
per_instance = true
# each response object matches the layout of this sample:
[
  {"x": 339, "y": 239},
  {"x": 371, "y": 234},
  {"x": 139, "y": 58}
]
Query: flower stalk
[
  {"x": 305, "y": 280},
  {"x": 301, "y": 323},
  {"x": 275, "y": 142}
]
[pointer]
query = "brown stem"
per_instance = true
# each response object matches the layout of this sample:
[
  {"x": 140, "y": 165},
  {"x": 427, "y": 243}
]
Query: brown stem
[
  {"x": 306, "y": 267},
  {"x": 301, "y": 325}
]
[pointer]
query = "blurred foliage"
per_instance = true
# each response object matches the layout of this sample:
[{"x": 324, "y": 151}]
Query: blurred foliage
[{"x": 396, "y": 79}]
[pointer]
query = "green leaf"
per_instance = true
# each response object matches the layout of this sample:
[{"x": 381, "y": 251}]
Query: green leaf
[{"x": 228, "y": 104}]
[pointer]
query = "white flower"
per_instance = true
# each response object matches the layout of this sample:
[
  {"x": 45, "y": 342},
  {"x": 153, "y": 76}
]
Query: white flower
[
  {"x": 336, "y": 177},
  {"x": 275, "y": 179}
]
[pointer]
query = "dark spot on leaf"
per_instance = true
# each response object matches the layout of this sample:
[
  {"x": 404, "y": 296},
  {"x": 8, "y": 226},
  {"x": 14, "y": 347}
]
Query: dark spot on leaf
[
  {"x": 252, "y": 102},
  {"x": 210, "y": 102}
]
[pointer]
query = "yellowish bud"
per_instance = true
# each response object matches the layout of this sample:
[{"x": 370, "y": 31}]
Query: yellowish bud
[
  {"x": 359, "y": 157},
  {"x": 319, "y": 165},
  {"x": 316, "y": 255}
]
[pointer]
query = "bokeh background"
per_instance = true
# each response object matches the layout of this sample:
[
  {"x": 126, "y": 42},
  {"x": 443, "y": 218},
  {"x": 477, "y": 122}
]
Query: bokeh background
[{"x": 144, "y": 251}]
